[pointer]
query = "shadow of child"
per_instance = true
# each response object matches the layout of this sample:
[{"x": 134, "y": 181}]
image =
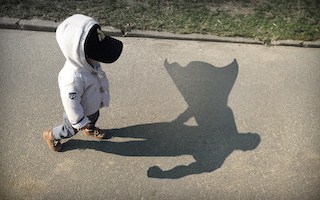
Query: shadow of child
[{"x": 205, "y": 88}]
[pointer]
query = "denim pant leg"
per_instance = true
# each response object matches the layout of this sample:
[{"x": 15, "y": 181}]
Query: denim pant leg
[
  {"x": 64, "y": 130},
  {"x": 93, "y": 120}
]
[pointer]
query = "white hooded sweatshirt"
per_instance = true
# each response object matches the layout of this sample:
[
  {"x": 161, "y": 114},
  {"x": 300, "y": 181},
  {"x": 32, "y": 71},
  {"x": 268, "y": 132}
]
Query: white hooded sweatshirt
[{"x": 84, "y": 89}]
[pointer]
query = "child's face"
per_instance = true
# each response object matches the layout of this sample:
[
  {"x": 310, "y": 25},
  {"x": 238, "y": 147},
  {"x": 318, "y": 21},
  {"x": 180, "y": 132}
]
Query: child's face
[{"x": 91, "y": 61}]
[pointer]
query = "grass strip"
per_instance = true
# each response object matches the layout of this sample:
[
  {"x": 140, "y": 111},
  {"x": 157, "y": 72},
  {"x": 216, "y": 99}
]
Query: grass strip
[{"x": 259, "y": 19}]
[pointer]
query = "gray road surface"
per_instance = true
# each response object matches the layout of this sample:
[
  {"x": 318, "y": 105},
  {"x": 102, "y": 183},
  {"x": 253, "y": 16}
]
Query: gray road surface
[{"x": 179, "y": 129}]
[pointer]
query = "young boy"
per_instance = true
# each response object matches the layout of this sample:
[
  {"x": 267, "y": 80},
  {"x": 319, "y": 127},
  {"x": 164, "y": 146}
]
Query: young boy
[{"x": 84, "y": 87}]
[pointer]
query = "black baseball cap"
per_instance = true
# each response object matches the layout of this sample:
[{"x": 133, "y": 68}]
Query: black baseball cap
[{"x": 101, "y": 47}]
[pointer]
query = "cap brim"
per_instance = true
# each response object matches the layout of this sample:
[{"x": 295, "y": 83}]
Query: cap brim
[{"x": 106, "y": 51}]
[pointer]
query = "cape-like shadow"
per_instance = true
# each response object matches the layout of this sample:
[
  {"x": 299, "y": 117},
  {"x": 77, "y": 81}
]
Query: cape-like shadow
[{"x": 205, "y": 88}]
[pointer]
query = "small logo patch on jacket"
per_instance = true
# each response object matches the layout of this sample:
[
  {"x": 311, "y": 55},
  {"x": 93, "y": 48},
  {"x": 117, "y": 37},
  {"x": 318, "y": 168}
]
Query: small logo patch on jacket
[{"x": 72, "y": 95}]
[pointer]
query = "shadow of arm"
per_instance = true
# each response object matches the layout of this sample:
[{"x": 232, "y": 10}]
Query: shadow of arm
[{"x": 180, "y": 171}]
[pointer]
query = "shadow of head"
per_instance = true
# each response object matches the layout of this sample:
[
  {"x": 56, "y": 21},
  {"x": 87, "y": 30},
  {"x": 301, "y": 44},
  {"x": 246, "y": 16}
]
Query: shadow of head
[
  {"x": 202, "y": 82},
  {"x": 205, "y": 88}
]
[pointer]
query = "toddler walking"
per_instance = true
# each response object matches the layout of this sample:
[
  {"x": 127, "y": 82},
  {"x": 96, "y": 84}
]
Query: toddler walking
[{"x": 84, "y": 87}]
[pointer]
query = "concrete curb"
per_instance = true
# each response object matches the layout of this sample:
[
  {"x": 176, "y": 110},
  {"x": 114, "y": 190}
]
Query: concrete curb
[
  {"x": 50, "y": 26},
  {"x": 196, "y": 37},
  {"x": 22, "y": 24}
]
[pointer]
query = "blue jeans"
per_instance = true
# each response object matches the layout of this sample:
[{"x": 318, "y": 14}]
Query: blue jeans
[{"x": 66, "y": 130}]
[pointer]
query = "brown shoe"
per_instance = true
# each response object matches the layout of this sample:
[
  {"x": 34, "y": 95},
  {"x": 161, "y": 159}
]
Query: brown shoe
[
  {"x": 96, "y": 132},
  {"x": 53, "y": 144}
]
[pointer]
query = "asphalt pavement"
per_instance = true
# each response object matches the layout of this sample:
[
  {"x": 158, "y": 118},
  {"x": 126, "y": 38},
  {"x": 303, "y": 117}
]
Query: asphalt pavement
[{"x": 187, "y": 120}]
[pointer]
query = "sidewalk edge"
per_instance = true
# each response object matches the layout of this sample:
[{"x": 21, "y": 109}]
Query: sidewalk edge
[{"x": 50, "y": 26}]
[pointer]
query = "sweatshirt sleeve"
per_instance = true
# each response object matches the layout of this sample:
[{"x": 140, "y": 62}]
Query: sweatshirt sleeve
[{"x": 71, "y": 90}]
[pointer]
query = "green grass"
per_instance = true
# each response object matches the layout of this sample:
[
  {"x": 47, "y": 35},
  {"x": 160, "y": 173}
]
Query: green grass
[{"x": 260, "y": 19}]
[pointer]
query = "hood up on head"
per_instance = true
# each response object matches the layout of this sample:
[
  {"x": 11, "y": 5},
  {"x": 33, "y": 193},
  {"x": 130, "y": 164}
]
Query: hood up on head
[
  {"x": 71, "y": 35},
  {"x": 80, "y": 36}
]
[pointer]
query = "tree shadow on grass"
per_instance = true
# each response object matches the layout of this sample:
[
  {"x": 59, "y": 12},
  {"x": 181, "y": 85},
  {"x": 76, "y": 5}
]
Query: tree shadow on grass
[{"x": 205, "y": 88}]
